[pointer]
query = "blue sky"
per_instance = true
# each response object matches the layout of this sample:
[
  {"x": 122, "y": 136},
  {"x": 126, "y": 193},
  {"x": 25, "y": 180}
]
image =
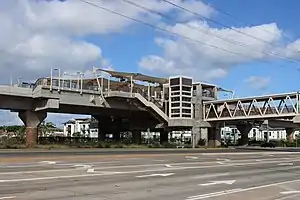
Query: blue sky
[
  {"x": 125, "y": 49},
  {"x": 74, "y": 36}
]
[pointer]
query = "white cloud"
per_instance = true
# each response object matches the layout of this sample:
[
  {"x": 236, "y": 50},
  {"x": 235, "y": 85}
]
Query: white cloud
[
  {"x": 8, "y": 118},
  {"x": 44, "y": 33},
  {"x": 195, "y": 7},
  {"x": 206, "y": 63},
  {"x": 258, "y": 82},
  {"x": 40, "y": 34}
]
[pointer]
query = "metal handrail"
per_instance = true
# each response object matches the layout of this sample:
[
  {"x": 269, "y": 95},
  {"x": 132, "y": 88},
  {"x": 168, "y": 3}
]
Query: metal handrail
[{"x": 153, "y": 100}]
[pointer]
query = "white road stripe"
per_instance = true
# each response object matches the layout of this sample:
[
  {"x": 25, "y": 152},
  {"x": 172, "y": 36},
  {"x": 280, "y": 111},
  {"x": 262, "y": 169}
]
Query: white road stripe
[
  {"x": 91, "y": 170},
  {"x": 41, "y": 171},
  {"x": 152, "y": 175},
  {"x": 171, "y": 165},
  {"x": 250, "y": 153},
  {"x": 11, "y": 197},
  {"x": 138, "y": 171},
  {"x": 285, "y": 164},
  {"x": 202, "y": 196},
  {"x": 48, "y": 162},
  {"x": 226, "y": 192},
  {"x": 211, "y": 175},
  {"x": 223, "y": 159},
  {"x": 290, "y": 192}
]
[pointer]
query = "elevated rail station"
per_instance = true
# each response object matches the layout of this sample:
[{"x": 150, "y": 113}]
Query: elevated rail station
[{"x": 122, "y": 101}]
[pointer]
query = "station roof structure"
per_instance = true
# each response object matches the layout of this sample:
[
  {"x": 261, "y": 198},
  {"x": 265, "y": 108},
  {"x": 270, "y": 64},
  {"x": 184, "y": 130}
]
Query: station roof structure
[{"x": 136, "y": 76}]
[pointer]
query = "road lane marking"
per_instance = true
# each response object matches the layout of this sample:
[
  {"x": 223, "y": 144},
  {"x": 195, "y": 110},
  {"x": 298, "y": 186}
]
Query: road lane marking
[
  {"x": 91, "y": 170},
  {"x": 190, "y": 163},
  {"x": 290, "y": 192},
  {"x": 47, "y": 162},
  {"x": 250, "y": 153},
  {"x": 182, "y": 163},
  {"x": 227, "y": 182},
  {"x": 211, "y": 175},
  {"x": 267, "y": 161},
  {"x": 11, "y": 197},
  {"x": 223, "y": 159},
  {"x": 40, "y": 171},
  {"x": 132, "y": 172},
  {"x": 202, "y": 196},
  {"x": 285, "y": 164},
  {"x": 191, "y": 157},
  {"x": 226, "y": 192},
  {"x": 153, "y": 175},
  {"x": 83, "y": 166}
]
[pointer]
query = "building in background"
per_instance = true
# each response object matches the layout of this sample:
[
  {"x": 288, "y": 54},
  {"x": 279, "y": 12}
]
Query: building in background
[
  {"x": 88, "y": 127},
  {"x": 81, "y": 127},
  {"x": 233, "y": 134}
]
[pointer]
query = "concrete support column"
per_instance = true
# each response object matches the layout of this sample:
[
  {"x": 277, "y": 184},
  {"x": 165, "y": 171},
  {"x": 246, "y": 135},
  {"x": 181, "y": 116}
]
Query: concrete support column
[
  {"x": 289, "y": 134},
  {"x": 214, "y": 137},
  {"x": 103, "y": 127},
  {"x": 136, "y": 137},
  {"x": 196, "y": 134},
  {"x": 204, "y": 135},
  {"x": 164, "y": 137},
  {"x": 116, "y": 136},
  {"x": 31, "y": 121},
  {"x": 117, "y": 129},
  {"x": 244, "y": 130}
]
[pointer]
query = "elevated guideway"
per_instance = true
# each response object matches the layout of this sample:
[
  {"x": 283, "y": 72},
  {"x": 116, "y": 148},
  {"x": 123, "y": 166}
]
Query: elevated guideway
[
  {"x": 276, "y": 106},
  {"x": 135, "y": 102}
]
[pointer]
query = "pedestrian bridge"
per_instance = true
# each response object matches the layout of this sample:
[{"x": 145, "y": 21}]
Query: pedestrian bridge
[{"x": 283, "y": 106}]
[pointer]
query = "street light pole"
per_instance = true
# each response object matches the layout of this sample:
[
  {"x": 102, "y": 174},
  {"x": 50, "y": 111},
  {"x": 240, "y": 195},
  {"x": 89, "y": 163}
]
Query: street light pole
[
  {"x": 58, "y": 80},
  {"x": 78, "y": 79},
  {"x": 51, "y": 79},
  {"x": 18, "y": 80},
  {"x": 82, "y": 74},
  {"x": 63, "y": 80},
  {"x": 58, "y": 69}
]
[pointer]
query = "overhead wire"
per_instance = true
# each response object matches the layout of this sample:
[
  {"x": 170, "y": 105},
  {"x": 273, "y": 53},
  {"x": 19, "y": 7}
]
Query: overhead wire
[
  {"x": 159, "y": 28},
  {"x": 243, "y": 22},
  {"x": 228, "y": 27},
  {"x": 207, "y": 32},
  {"x": 165, "y": 30}
]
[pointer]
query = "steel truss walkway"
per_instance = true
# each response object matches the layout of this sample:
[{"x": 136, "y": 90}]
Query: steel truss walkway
[{"x": 260, "y": 107}]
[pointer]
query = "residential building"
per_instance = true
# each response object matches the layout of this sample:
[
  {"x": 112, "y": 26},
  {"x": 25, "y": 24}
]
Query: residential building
[
  {"x": 256, "y": 133},
  {"x": 83, "y": 127},
  {"x": 88, "y": 127}
]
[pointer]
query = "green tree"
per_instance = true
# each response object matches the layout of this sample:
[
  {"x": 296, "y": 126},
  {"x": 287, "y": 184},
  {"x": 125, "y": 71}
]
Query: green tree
[
  {"x": 77, "y": 134},
  {"x": 46, "y": 127}
]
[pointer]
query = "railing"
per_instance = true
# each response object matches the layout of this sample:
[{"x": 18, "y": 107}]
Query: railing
[
  {"x": 156, "y": 102},
  {"x": 276, "y": 106},
  {"x": 75, "y": 85}
]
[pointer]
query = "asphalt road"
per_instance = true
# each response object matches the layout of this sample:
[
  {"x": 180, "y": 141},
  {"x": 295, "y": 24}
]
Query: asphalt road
[
  {"x": 5, "y": 153},
  {"x": 190, "y": 176},
  {"x": 66, "y": 152}
]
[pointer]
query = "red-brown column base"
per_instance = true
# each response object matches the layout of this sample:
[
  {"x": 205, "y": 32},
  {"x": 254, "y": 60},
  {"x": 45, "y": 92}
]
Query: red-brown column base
[{"x": 31, "y": 137}]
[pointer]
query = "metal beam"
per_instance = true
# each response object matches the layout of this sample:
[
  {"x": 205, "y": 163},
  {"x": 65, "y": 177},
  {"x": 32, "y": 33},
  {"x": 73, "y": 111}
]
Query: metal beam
[{"x": 264, "y": 107}]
